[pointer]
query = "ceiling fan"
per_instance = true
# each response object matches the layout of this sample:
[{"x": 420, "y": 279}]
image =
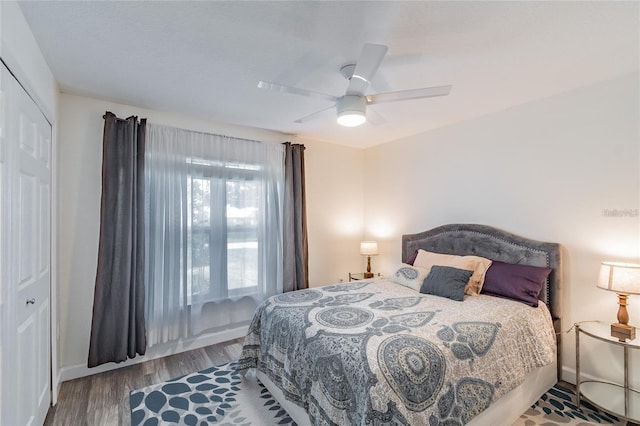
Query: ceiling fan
[{"x": 352, "y": 106}]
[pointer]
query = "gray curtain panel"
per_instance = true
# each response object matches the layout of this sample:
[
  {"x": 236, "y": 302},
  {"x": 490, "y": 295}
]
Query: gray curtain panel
[
  {"x": 118, "y": 325},
  {"x": 296, "y": 248}
]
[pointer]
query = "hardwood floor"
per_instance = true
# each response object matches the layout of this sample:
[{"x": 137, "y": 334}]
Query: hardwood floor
[{"x": 103, "y": 399}]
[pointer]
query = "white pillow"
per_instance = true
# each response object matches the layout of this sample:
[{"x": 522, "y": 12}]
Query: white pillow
[{"x": 409, "y": 276}]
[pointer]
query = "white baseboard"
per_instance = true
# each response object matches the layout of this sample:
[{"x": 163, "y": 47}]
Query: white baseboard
[
  {"x": 55, "y": 387},
  {"x": 569, "y": 375},
  {"x": 158, "y": 351}
]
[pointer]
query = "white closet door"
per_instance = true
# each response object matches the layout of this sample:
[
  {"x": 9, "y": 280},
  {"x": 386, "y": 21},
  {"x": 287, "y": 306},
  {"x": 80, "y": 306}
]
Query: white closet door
[{"x": 25, "y": 265}]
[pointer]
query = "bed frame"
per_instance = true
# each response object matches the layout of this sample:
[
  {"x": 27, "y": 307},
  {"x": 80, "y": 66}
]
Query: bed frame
[{"x": 495, "y": 244}]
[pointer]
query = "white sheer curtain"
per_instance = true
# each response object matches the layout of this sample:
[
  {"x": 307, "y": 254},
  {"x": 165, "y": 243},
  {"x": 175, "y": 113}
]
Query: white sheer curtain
[{"x": 214, "y": 207}]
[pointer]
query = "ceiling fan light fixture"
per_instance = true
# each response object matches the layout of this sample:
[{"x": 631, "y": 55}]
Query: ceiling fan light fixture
[
  {"x": 351, "y": 119},
  {"x": 351, "y": 110}
]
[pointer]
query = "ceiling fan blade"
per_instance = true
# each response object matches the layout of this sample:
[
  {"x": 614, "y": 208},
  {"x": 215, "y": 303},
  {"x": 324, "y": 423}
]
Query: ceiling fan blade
[
  {"x": 295, "y": 91},
  {"x": 404, "y": 95},
  {"x": 374, "y": 117},
  {"x": 366, "y": 67},
  {"x": 312, "y": 116}
]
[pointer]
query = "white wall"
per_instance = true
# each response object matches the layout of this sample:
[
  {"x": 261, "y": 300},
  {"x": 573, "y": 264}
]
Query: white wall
[
  {"x": 334, "y": 183},
  {"x": 334, "y": 197},
  {"x": 545, "y": 170}
]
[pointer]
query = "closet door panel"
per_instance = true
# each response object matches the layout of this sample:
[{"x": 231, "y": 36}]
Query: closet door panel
[{"x": 25, "y": 257}]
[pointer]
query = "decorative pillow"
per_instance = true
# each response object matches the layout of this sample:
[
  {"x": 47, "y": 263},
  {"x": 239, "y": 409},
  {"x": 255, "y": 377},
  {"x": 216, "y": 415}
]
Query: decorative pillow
[
  {"x": 412, "y": 258},
  {"x": 478, "y": 265},
  {"x": 446, "y": 281},
  {"x": 409, "y": 276},
  {"x": 518, "y": 282}
]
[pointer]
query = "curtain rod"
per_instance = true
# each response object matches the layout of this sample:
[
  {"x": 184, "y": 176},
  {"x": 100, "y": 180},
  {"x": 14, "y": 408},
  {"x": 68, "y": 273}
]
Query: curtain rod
[
  {"x": 211, "y": 134},
  {"x": 196, "y": 131}
]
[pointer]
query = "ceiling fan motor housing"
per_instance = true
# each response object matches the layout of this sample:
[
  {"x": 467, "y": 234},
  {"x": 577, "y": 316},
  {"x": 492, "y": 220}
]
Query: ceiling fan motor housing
[{"x": 351, "y": 110}]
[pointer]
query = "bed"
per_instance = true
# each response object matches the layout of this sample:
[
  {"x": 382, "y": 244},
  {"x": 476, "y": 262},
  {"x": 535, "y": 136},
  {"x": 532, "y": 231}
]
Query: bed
[{"x": 375, "y": 352}]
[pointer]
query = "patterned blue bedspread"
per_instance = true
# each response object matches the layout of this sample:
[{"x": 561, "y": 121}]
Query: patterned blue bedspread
[{"x": 375, "y": 352}]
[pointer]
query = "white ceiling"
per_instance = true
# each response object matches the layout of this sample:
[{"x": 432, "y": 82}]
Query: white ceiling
[{"x": 205, "y": 58}]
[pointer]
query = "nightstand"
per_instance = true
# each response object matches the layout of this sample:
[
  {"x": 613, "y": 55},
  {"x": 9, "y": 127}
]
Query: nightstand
[
  {"x": 621, "y": 401},
  {"x": 355, "y": 276}
]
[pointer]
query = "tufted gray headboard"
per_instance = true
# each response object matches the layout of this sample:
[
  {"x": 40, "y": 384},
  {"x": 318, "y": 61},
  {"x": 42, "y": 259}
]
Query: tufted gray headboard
[{"x": 495, "y": 244}]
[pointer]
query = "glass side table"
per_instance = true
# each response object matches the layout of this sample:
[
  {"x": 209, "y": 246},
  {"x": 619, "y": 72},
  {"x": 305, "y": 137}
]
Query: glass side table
[
  {"x": 356, "y": 276},
  {"x": 621, "y": 401}
]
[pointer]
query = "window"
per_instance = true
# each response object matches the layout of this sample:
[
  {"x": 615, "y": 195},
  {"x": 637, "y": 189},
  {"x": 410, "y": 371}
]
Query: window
[{"x": 223, "y": 239}]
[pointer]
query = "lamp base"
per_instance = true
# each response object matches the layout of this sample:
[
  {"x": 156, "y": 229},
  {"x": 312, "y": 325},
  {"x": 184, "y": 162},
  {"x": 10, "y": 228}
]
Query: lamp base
[
  {"x": 623, "y": 331},
  {"x": 368, "y": 274}
]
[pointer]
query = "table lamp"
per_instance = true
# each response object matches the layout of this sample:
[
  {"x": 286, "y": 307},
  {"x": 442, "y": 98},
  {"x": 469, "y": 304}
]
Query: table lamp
[
  {"x": 624, "y": 279},
  {"x": 369, "y": 248}
]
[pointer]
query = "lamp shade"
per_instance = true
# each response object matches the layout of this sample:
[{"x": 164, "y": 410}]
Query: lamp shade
[
  {"x": 623, "y": 278},
  {"x": 369, "y": 248}
]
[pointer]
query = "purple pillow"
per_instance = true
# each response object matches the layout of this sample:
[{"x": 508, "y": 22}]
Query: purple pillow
[
  {"x": 513, "y": 281},
  {"x": 412, "y": 258}
]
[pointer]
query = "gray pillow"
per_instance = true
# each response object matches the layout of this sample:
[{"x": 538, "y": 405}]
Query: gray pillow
[{"x": 446, "y": 281}]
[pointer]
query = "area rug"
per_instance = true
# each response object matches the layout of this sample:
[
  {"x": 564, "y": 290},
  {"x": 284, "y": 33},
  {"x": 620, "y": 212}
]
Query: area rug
[
  {"x": 221, "y": 396},
  {"x": 217, "y": 395},
  {"x": 558, "y": 407}
]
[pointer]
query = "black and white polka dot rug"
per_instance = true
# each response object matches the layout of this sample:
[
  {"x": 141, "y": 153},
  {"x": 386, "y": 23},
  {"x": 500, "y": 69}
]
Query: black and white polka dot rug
[{"x": 221, "y": 396}]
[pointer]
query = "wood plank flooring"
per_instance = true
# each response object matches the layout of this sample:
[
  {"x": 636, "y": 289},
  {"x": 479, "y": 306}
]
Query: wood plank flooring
[{"x": 103, "y": 399}]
